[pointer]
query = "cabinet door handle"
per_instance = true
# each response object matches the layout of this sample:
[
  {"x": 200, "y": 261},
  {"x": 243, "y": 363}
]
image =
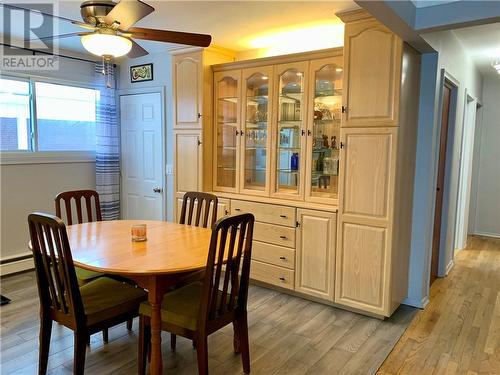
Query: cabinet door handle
[
  {"x": 309, "y": 132},
  {"x": 237, "y": 209},
  {"x": 341, "y": 144},
  {"x": 283, "y": 216},
  {"x": 198, "y": 140},
  {"x": 344, "y": 109},
  {"x": 282, "y": 278},
  {"x": 283, "y": 237},
  {"x": 283, "y": 258},
  {"x": 199, "y": 115},
  {"x": 303, "y": 132}
]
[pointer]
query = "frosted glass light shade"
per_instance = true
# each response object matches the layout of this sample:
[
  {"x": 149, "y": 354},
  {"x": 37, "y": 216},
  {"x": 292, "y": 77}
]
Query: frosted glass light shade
[{"x": 106, "y": 44}]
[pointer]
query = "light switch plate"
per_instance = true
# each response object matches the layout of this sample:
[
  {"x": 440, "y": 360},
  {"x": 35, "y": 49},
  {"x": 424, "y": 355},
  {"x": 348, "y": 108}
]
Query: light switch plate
[{"x": 169, "y": 169}]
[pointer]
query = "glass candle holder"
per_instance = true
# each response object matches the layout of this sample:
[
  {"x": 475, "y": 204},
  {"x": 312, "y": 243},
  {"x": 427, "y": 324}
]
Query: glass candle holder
[{"x": 139, "y": 232}]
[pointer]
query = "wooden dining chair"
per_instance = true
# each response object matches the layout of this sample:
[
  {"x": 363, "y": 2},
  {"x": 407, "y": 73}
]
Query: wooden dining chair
[
  {"x": 65, "y": 202},
  {"x": 87, "y": 309},
  {"x": 202, "y": 202},
  {"x": 197, "y": 310},
  {"x": 68, "y": 200}
]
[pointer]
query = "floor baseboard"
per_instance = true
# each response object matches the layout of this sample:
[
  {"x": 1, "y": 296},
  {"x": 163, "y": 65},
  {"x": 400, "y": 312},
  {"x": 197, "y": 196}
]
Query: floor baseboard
[{"x": 8, "y": 268}]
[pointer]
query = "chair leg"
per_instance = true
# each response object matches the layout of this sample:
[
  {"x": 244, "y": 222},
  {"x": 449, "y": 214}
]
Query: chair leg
[
  {"x": 236, "y": 337},
  {"x": 80, "y": 351},
  {"x": 105, "y": 336},
  {"x": 45, "y": 333},
  {"x": 243, "y": 342},
  {"x": 144, "y": 339},
  {"x": 173, "y": 341},
  {"x": 129, "y": 324},
  {"x": 202, "y": 355}
]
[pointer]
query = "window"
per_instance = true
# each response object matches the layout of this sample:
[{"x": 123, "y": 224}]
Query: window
[
  {"x": 15, "y": 115},
  {"x": 65, "y": 117},
  {"x": 60, "y": 117}
]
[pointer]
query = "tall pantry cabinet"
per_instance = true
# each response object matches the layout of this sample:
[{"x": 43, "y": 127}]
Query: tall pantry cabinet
[
  {"x": 192, "y": 113},
  {"x": 378, "y": 135}
]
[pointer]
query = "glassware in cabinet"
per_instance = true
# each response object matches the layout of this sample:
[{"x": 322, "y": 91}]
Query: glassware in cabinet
[
  {"x": 227, "y": 129},
  {"x": 255, "y": 145},
  {"x": 324, "y": 129},
  {"x": 290, "y": 129}
]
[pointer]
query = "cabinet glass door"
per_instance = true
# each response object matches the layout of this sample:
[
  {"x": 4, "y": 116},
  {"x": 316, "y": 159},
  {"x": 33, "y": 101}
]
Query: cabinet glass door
[
  {"x": 326, "y": 116},
  {"x": 255, "y": 143},
  {"x": 227, "y": 126},
  {"x": 290, "y": 130}
]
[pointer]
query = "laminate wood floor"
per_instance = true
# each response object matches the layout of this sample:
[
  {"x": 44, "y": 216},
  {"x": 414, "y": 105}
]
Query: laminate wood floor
[
  {"x": 459, "y": 330},
  {"x": 288, "y": 335}
]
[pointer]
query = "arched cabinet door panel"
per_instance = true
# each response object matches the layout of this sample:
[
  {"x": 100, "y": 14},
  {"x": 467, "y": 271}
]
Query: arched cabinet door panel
[
  {"x": 227, "y": 130},
  {"x": 188, "y": 90},
  {"x": 372, "y": 67}
]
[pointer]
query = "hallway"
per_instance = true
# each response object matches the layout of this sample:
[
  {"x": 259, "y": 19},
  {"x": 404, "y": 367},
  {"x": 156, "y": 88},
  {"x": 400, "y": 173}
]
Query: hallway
[{"x": 459, "y": 331}]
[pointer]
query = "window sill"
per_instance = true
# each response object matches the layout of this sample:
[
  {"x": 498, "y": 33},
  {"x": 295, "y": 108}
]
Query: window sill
[{"x": 46, "y": 157}]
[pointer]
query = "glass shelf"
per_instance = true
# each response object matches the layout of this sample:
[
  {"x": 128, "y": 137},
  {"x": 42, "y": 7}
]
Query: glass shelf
[
  {"x": 229, "y": 99},
  {"x": 323, "y": 93}
]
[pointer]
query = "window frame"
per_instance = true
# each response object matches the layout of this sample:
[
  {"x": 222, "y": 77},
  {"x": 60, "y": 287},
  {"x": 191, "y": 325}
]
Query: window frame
[{"x": 35, "y": 156}]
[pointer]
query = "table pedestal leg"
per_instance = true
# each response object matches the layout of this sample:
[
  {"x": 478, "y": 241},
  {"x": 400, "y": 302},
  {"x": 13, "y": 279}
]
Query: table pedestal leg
[{"x": 156, "y": 367}]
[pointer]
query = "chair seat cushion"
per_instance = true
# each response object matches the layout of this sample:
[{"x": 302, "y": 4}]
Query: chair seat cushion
[
  {"x": 84, "y": 276},
  {"x": 105, "y": 298},
  {"x": 179, "y": 307}
]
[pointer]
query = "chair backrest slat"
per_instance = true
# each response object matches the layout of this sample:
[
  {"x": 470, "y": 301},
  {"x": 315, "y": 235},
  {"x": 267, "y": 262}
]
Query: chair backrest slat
[
  {"x": 230, "y": 247},
  {"x": 55, "y": 271},
  {"x": 204, "y": 203},
  {"x": 77, "y": 195}
]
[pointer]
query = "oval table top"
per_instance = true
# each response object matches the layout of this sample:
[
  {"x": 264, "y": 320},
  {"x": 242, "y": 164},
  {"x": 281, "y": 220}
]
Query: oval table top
[{"x": 107, "y": 246}]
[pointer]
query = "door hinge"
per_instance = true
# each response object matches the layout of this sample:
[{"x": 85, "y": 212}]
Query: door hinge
[{"x": 297, "y": 224}]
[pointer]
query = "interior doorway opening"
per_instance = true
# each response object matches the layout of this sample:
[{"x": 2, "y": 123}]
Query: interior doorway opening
[{"x": 448, "y": 109}]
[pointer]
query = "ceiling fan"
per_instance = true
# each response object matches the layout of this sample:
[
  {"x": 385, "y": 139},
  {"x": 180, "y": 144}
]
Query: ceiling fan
[{"x": 110, "y": 33}]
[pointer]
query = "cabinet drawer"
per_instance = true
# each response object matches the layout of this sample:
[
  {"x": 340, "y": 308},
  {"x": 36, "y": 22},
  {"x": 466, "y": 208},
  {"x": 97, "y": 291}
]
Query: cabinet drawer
[
  {"x": 275, "y": 234},
  {"x": 267, "y": 213},
  {"x": 267, "y": 273},
  {"x": 277, "y": 255}
]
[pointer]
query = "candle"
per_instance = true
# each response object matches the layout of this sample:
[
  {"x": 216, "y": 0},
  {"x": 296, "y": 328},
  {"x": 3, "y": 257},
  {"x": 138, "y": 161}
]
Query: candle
[{"x": 138, "y": 232}]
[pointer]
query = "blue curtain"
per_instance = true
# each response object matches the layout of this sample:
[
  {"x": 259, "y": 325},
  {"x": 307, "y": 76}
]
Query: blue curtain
[{"x": 108, "y": 144}]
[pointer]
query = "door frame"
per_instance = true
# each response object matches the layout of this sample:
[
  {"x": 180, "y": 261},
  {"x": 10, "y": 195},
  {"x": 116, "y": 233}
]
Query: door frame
[
  {"x": 471, "y": 104},
  {"x": 164, "y": 136},
  {"x": 450, "y": 80}
]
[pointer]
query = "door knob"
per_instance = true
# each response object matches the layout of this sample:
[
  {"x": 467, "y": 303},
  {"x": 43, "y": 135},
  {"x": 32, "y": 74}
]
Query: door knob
[{"x": 157, "y": 189}]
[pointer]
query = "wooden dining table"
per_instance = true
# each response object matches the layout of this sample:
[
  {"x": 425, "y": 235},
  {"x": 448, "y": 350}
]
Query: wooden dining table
[{"x": 170, "y": 252}]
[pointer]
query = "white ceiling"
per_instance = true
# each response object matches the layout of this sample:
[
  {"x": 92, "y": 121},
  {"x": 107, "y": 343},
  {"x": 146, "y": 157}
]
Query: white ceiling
[
  {"x": 482, "y": 44},
  {"x": 232, "y": 24}
]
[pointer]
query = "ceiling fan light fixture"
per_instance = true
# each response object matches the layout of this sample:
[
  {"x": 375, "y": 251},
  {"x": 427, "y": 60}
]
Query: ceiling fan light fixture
[{"x": 106, "y": 44}]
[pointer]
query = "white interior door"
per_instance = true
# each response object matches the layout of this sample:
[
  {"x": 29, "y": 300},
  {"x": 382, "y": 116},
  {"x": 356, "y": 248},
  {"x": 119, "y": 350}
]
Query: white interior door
[{"x": 142, "y": 156}]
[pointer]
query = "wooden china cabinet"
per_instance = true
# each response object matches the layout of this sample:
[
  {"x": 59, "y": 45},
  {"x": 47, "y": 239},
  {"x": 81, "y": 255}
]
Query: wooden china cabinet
[{"x": 320, "y": 147}]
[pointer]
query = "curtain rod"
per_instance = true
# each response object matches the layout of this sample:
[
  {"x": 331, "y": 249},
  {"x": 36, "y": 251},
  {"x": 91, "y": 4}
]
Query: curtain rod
[{"x": 34, "y": 51}]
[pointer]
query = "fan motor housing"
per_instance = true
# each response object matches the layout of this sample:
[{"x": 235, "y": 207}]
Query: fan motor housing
[{"x": 94, "y": 11}]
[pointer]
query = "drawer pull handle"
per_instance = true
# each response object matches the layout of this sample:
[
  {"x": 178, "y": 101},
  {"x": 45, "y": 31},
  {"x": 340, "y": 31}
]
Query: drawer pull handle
[
  {"x": 237, "y": 209},
  {"x": 282, "y": 278},
  {"x": 283, "y": 216},
  {"x": 283, "y": 237},
  {"x": 283, "y": 258}
]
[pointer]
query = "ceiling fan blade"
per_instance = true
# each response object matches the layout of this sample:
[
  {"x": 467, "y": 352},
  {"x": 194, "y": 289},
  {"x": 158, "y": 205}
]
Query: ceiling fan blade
[
  {"x": 128, "y": 12},
  {"x": 62, "y": 36},
  {"x": 200, "y": 40},
  {"x": 137, "y": 51}
]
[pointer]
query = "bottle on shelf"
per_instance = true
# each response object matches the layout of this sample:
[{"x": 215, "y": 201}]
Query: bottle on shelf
[
  {"x": 294, "y": 161},
  {"x": 319, "y": 163}
]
